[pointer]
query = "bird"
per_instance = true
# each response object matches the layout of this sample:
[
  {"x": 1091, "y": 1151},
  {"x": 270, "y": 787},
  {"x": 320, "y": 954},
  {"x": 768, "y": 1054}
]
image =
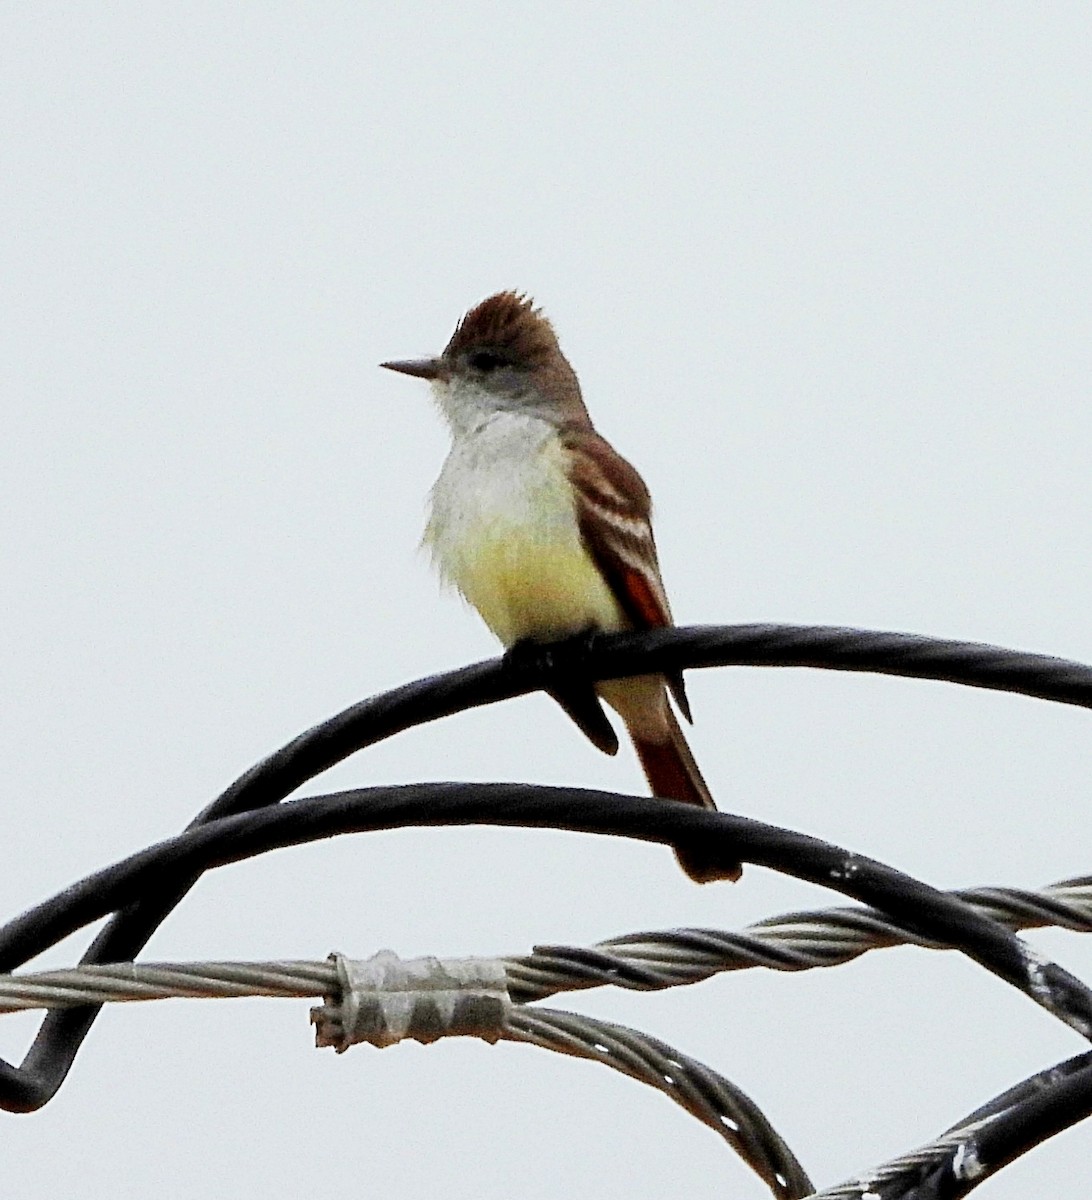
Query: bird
[{"x": 546, "y": 529}]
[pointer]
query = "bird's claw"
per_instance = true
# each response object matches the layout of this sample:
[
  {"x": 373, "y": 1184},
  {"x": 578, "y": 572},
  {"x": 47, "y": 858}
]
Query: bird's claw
[{"x": 557, "y": 666}]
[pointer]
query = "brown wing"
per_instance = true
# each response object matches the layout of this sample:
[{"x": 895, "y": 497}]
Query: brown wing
[{"x": 614, "y": 512}]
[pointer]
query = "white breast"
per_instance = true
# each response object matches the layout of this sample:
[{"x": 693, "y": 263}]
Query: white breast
[{"x": 503, "y": 529}]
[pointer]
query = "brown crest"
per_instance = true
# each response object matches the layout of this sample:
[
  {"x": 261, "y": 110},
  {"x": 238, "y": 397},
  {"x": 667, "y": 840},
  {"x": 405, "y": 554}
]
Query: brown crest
[{"x": 508, "y": 323}]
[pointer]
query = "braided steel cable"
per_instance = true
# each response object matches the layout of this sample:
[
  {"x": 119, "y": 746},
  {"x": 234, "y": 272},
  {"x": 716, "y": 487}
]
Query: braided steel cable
[
  {"x": 951, "y": 1158},
  {"x": 798, "y": 941},
  {"x": 950, "y": 1166},
  {"x": 702, "y": 1092},
  {"x": 947, "y": 1168},
  {"x": 123, "y": 983},
  {"x": 979, "y": 1145}
]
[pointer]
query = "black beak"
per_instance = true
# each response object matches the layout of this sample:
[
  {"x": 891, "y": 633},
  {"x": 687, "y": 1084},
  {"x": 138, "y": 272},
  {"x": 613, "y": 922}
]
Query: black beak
[{"x": 423, "y": 368}]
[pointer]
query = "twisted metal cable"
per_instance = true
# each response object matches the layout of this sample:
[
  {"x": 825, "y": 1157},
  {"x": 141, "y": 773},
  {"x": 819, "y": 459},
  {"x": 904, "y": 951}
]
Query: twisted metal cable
[
  {"x": 942, "y": 1170},
  {"x": 797, "y": 941},
  {"x": 131, "y": 982},
  {"x": 983, "y": 1142},
  {"x": 702, "y": 1092},
  {"x": 953, "y": 1155},
  {"x": 945, "y": 1169}
]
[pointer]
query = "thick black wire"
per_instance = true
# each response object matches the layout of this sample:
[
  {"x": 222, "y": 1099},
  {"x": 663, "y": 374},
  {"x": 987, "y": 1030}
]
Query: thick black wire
[
  {"x": 928, "y": 912},
  {"x": 35, "y": 1082},
  {"x": 47, "y": 1062},
  {"x": 972, "y": 664},
  {"x": 1043, "y": 1105},
  {"x": 1023, "y": 1117},
  {"x": 832, "y": 647}
]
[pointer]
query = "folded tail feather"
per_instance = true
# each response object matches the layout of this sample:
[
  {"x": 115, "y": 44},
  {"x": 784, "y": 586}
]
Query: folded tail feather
[{"x": 673, "y": 774}]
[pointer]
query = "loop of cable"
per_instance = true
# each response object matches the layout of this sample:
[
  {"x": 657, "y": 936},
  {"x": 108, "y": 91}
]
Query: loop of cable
[{"x": 245, "y": 820}]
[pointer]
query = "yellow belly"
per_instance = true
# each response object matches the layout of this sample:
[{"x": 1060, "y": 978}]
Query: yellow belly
[
  {"x": 503, "y": 529},
  {"x": 527, "y": 586}
]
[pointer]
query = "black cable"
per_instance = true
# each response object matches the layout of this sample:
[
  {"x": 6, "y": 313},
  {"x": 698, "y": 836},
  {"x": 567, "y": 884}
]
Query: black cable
[
  {"x": 1021, "y": 1118},
  {"x": 971, "y": 664},
  {"x": 928, "y": 912},
  {"x": 1037, "y": 1109},
  {"x": 277, "y": 776},
  {"x": 34, "y": 1083},
  {"x": 832, "y": 647}
]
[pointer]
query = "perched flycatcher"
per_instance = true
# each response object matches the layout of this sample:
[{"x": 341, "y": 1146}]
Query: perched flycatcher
[{"x": 546, "y": 529}]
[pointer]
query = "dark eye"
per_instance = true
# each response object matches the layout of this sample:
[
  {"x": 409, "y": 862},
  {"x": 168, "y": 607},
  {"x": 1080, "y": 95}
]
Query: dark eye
[{"x": 485, "y": 360}]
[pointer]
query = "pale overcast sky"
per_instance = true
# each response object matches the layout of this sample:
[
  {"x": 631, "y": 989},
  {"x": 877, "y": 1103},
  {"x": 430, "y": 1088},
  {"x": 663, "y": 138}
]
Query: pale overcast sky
[{"x": 824, "y": 272}]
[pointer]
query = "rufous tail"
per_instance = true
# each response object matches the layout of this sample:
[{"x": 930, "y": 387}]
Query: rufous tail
[{"x": 673, "y": 774}]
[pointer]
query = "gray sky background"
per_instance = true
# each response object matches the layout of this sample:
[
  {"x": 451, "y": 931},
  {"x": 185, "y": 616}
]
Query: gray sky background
[{"x": 824, "y": 273}]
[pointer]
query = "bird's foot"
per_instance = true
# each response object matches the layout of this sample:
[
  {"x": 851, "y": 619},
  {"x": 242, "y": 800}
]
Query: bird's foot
[
  {"x": 560, "y": 667},
  {"x": 550, "y": 658}
]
